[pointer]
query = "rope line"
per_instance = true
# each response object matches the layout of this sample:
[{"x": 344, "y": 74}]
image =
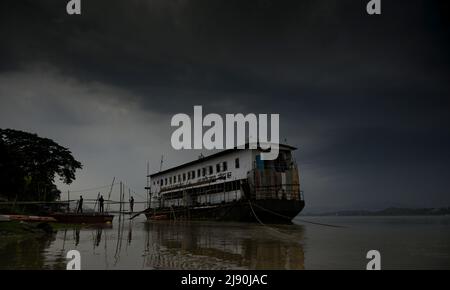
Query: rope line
[
  {"x": 268, "y": 227},
  {"x": 107, "y": 186},
  {"x": 305, "y": 221},
  {"x": 91, "y": 189}
]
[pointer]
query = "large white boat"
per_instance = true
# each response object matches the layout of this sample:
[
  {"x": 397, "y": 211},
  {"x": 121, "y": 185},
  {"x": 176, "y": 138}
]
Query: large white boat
[{"x": 233, "y": 184}]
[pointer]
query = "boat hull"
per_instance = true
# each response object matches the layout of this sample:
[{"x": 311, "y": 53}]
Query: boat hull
[
  {"x": 27, "y": 218},
  {"x": 265, "y": 211},
  {"x": 73, "y": 218}
]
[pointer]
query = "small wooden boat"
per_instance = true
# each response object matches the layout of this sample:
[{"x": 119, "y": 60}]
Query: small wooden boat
[
  {"x": 83, "y": 218},
  {"x": 29, "y": 218},
  {"x": 157, "y": 217}
]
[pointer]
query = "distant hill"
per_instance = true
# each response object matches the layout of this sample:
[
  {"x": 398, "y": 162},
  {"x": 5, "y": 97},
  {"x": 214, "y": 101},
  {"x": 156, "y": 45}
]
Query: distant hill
[{"x": 392, "y": 211}]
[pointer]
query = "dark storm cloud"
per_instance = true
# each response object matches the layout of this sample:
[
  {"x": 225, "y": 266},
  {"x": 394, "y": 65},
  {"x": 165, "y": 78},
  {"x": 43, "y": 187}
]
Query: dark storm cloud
[{"x": 359, "y": 94}]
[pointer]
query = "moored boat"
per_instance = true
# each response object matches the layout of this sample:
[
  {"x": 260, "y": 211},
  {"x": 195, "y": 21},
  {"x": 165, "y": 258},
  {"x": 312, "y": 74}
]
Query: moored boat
[
  {"x": 83, "y": 218},
  {"x": 27, "y": 218},
  {"x": 231, "y": 185}
]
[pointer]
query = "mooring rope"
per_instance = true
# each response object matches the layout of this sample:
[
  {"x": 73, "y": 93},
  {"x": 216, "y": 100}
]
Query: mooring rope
[
  {"x": 320, "y": 224},
  {"x": 305, "y": 221},
  {"x": 268, "y": 227}
]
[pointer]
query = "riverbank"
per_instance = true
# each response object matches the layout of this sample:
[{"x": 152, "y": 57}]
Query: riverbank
[{"x": 14, "y": 231}]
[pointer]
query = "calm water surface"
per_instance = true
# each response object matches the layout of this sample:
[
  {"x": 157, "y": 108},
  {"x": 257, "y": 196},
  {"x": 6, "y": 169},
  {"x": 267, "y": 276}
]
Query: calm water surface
[{"x": 404, "y": 243}]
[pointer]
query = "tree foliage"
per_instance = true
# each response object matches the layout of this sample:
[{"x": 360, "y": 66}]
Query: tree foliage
[{"x": 29, "y": 165}]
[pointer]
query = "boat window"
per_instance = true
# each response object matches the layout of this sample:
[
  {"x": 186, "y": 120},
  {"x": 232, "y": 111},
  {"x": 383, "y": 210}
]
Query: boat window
[
  {"x": 236, "y": 163},
  {"x": 184, "y": 176},
  {"x": 225, "y": 166},
  {"x": 218, "y": 168},
  {"x": 203, "y": 171},
  {"x": 211, "y": 171},
  {"x": 179, "y": 177},
  {"x": 198, "y": 172},
  {"x": 170, "y": 180},
  {"x": 193, "y": 174},
  {"x": 165, "y": 181},
  {"x": 189, "y": 175}
]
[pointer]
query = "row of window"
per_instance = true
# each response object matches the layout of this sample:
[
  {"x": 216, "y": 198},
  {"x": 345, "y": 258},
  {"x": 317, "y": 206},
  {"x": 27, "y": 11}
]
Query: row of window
[
  {"x": 201, "y": 172},
  {"x": 234, "y": 185}
]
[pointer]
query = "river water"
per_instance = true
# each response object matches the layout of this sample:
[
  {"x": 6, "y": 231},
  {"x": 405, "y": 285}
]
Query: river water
[{"x": 403, "y": 242}]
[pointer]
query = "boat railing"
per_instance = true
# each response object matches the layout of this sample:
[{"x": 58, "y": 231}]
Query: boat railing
[
  {"x": 285, "y": 191},
  {"x": 276, "y": 167}
]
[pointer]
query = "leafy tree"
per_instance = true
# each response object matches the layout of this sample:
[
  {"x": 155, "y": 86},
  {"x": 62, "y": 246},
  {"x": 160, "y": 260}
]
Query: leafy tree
[{"x": 29, "y": 165}]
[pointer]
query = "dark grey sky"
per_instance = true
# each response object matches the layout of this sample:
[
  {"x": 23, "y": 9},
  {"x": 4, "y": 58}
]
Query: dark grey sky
[{"x": 365, "y": 98}]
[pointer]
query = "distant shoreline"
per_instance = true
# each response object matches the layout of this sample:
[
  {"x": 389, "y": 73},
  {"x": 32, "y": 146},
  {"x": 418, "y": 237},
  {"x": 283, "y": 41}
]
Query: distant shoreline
[{"x": 387, "y": 212}]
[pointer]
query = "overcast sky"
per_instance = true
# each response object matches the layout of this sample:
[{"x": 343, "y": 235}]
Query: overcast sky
[{"x": 366, "y": 99}]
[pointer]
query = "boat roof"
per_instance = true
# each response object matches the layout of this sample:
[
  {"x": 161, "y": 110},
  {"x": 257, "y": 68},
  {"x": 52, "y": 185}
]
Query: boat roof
[{"x": 218, "y": 154}]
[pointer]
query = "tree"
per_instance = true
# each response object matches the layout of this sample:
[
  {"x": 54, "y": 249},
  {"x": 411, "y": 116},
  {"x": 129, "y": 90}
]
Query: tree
[{"x": 29, "y": 165}]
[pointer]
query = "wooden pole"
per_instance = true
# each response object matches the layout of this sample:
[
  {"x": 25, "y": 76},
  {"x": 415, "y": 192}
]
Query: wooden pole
[
  {"x": 98, "y": 197},
  {"x": 148, "y": 184},
  {"x": 109, "y": 194},
  {"x": 224, "y": 192},
  {"x": 123, "y": 198},
  {"x": 68, "y": 200},
  {"x": 120, "y": 198}
]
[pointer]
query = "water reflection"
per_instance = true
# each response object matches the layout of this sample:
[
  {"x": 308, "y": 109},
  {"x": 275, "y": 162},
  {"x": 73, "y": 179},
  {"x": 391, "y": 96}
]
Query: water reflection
[
  {"x": 138, "y": 244},
  {"x": 98, "y": 237},
  {"x": 130, "y": 233},
  {"x": 25, "y": 253},
  {"x": 222, "y": 246},
  {"x": 77, "y": 236},
  {"x": 162, "y": 245}
]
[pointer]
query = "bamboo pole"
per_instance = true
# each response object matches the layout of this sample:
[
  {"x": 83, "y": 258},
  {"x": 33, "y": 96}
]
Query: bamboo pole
[
  {"x": 68, "y": 200},
  {"x": 96, "y": 201},
  {"x": 123, "y": 198},
  {"x": 148, "y": 184},
  {"x": 110, "y": 191},
  {"x": 120, "y": 198}
]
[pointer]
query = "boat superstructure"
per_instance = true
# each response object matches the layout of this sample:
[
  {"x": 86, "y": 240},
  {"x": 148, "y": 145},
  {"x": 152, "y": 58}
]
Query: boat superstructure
[{"x": 234, "y": 184}]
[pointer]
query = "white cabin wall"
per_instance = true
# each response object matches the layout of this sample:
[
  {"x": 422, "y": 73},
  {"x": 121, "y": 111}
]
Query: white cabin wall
[
  {"x": 246, "y": 157},
  {"x": 232, "y": 173}
]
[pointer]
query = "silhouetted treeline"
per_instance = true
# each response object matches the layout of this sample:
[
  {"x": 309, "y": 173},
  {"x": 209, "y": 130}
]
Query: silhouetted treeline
[{"x": 29, "y": 165}]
